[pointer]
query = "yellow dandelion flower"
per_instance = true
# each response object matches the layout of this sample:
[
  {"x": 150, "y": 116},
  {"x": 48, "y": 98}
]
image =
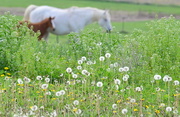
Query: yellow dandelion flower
[
  {"x": 142, "y": 99},
  {"x": 53, "y": 90},
  {"x": 53, "y": 99},
  {"x": 20, "y": 92},
  {"x": 8, "y": 74},
  {"x": 147, "y": 106},
  {"x": 114, "y": 112},
  {"x": 12, "y": 100},
  {"x": 116, "y": 91},
  {"x": 4, "y": 89},
  {"x": 157, "y": 111},
  {"x": 135, "y": 110},
  {"x": 72, "y": 98},
  {"x": 6, "y": 68},
  {"x": 40, "y": 96},
  {"x": 71, "y": 93},
  {"x": 176, "y": 95},
  {"x": 162, "y": 90},
  {"x": 75, "y": 109},
  {"x": 2, "y": 75},
  {"x": 118, "y": 101},
  {"x": 44, "y": 89},
  {"x": 81, "y": 100},
  {"x": 37, "y": 91},
  {"x": 68, "y": 95}
]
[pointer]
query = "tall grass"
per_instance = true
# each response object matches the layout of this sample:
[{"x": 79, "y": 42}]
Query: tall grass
[{"x": 94, "y": 74}]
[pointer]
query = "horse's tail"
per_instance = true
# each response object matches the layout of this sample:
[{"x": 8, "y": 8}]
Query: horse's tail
[{"x": 27, "y": 12}]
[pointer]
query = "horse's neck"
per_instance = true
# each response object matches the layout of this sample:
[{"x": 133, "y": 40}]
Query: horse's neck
[{"x": 96, "y": 15}]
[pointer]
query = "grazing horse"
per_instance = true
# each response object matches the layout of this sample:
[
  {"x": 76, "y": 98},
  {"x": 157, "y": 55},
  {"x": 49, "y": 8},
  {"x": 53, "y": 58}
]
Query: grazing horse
[
  {"x": 42, "y": 26},
  {"x": 69, "y": 20}
]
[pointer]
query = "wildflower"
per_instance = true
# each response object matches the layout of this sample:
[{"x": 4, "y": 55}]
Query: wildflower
[
  {"x": 132, "y": 100},
  {"x": 76, "y": 102},
  {"x": 44, "y": 86},
  {"x": 138, "y": 89},
  {"x": 157, "y": 111},
  {"x": 117, "y": 87},
  {"x": 125, "y": 77},
  {"x": 107, "y": 55},
  {"x": 121, "y": 69},
  {"x": 116, "y": 64},
  {"x": 168, "y": 109},
  {"x": 99, "y": 44},
  {"x": 169, "y": 79},
  {"x": 62, "y": 92},
  {"x": 83, "y": 58},
  {"x": 114, "y": 112},
  {"x": 34, "y": 108},
  {"x": 68, "y": 70},
  {"x": 117, "y": 81},
  {"x": 74, "y": 75},
  {"x": 176, "y": 82},
  {"x": 162, "y": 105},
  {"x": 135, "y": 110},
  {"x": 126, "y": 69},
  {"x": 27, "y": 80},
  {"x": 20, "y": 81},
  {"x": 101, "y": 58},
  {"x": 157, "y": 77},
  {"x": 89, "y": 63},
  {"x": 47, "y": 80},
  {"x": 124, "y": 111},
  {"x": 80, "y": 61},
  {"x": 79, "y": 67},
  {"x": 158, "y": 89},
  {"x": 6, "y": 68},
  {"x": 58, "y": 93},
  {"x": 99, "y": 84},
  {"x": 114, "y": 106},
  {"x": 79, "y": 111},
  {"x": 39, "y": 78},
  {"x": 85, "y": 72},
  {"x": 48, "y": 93},
  {"x": 118, "y": 101}
]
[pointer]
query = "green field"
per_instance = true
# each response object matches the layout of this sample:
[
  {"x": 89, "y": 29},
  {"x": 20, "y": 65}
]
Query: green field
[{"x": 91, "y": 74}]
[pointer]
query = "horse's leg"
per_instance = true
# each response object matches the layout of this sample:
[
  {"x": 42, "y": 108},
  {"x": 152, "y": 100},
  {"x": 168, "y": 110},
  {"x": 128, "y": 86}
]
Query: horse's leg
[{"x": 46, "y": 35}]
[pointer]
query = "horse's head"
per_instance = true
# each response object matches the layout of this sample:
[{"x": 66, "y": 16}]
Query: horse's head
[
  {"x": 51, "y": 23},
  {"x": 105, "y": 21}
]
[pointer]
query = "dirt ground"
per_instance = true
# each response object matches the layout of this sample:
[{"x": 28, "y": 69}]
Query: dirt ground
[{"x": 116, "y": 16}]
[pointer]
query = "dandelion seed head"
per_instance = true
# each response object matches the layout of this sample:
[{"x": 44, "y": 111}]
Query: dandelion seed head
[
  {"x": 117, "y": 81},
  {"x": 126, "y": 69},
  {"x": 132, "y": 100},
  {"x": 79, "y": 67},
  {"x": 27, "y": 80},
  {"x": 121, "y": 69},
  {"x": 68, "y": 70},
  {"x": 44, "y": 86},
  {"x": 39, "y": 78},
  {"x": 176, "y": 82},
  {"x": 114, "y": 106},
  {"x": 20, "y": 81},
  {"x": 83, "y": 58},
  {"x": 79, "y": 111},
  {"x": 168, "y": 109},
  {"x": 138, "y": 89},
  {"x": 74, "y": 75},
  {"x": 107, "y": 55},
  {"x": 80, "y": 62},
  {"x": 124, "y": 111},
  {"x": 157, "y": 77},
  {"x": 101, "y": 58},
  {"x": 34, "y": 108},
  {"x": 99, "y": 84},
  {"x": 76, "y": 102},
  {"x": 47, "y": 80}
]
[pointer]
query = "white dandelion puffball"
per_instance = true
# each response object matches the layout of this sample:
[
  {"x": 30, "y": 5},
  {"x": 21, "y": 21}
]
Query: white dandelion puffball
[
  {"x": 126, "y": 69},
  {"x": 101, "y": 58},
  {"x": 157, "y": 77},
  {"x": 48, "y": 93},
  {"x": 34, "y": 108},
  {"x": 79, "y": 67},
  {"x": 80, "y": 61},
  {"x": 124, "y": 111},
  {"x": 114, "y": 106},
  {"x": 79, "y": 111},
  {"x": 20, "y": 81},
  {"x": 39, "y": 78},
  {"x": 132, "y": 100},
  {"x": 74, "y": 75},
  {"x": 83, "y": 58},
  {"x": 176, "y": 82},
  {"x": 107, "y": 55},
  {"x": 165, "y": 78},
  {"x": 138, "y": 89},
  {"x": 168, "y": 109},
  {"x": 117, "y": 81},
  {"x": 121, "y": 69},
  {"x": 44, "y": 86},
  {"x": 99, "y": 84},
  {"x": 47, "y": 80},
  {"x": 58, "y": 93},
  {"x": 27, "y": 80},
  {"x": 62, "y": 92},
  {"x": 125, "y": 77},
  {"x": 76, "y": 102},
  {"x": 68, "y": 70}
]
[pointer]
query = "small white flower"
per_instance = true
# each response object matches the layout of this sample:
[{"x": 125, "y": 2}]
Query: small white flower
[
  {"x": 132, "y": 100},
  {"x": 158, "y": 89},
  {"x": 126, "y": 69},
  {"x": 176, "y": 82},
  {"x": 76, "y": 102},
  {"x": 44, "y": 86},
  {"x": 107, "y": 55},
  {"x": 20, "y": 81},
  {"x": 99, "y": 44},
  {"x": 58, "y": 93},
  {"x": 39, "y": 78},
  {"x": 27, "y": 80},
  {"x": 101, "y": 58},
  {"x": 79, "y": 67},
  {"x": 165, "y": 78},
  {"x": 62, "y": 92},
  {"x": 48, "y": 93},
  {"x": 114, "y": 106},
  {"x": 117, "y": 87},
  {"x": 170, "y": 79},
  {"x": 79, "y": 111},
  {"x": 80, "y": 61},
  {"x": 117, "y": 81},
  {"x": 121, "y": 69},
  {"x": 116, "y": 64},
  {"x": 68, "y": 70},
  {"x": 47, "y": 80},
  {"x": 83, "y": 58},
  {"x": 124, "y": 111},
  {"x": 74, "y": 75},
  {"x": 162, "y": 105},
  {"x": 168, "y": 109},
  {"x": 157, "y": 77},
  {"x": 34, "y": 108},
  {"x": 99, "y": 84},
  {"x": 125, "y": 77},
  {"x": 61, "y": 75},
  {"x": 138, "y": 89}
]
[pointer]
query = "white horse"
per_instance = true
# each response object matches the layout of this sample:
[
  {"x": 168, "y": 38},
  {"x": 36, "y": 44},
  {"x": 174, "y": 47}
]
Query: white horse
[{"x": 69, "y": 20}]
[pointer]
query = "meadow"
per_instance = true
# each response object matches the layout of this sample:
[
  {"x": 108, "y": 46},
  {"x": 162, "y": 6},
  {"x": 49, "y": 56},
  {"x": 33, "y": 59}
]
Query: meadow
[{"x": 90, "y": 74}]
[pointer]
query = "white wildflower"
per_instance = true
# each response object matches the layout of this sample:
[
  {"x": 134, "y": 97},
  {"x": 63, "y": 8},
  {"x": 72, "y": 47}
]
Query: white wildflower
[
  {"x": 44, "y": 86},
  {"x": 79, "y": 67},
  {"x": 176, "y": 82},
  {"x": 101, "y": 58},
  {"x": 68, "y": 70},
  {"x": 83, "y": 58},
  {"x": 34, "y": 108},
  {"x": 124, "y": 111},
  {"x": 20, "y": 81},
  {"x": 107, "y": 55},
  {"x": 168, "y": 109},
  {"x": 121, "y": 69},
  {"x": 126, "y": 69},
  {"x": 117, "y": 81},
  {"x": 76, "y": 102},
  {"x": 157, "y": 77},
  {"x": 114, "y": 106},
  {"x": 74, "y": 75},
  {"x": 39, "y": 78},
  {"x": 80, "y": 61},
  {"x": 99, "y": 84},
  {"x": 47, "y": 80}
]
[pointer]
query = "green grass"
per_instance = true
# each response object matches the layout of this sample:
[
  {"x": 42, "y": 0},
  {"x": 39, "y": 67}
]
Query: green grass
[{"x": 98, "y": 4}]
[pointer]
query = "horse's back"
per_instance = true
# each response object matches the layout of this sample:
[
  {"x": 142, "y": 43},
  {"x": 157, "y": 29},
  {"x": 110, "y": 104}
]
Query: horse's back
[{"x": 27, "y": 12}]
